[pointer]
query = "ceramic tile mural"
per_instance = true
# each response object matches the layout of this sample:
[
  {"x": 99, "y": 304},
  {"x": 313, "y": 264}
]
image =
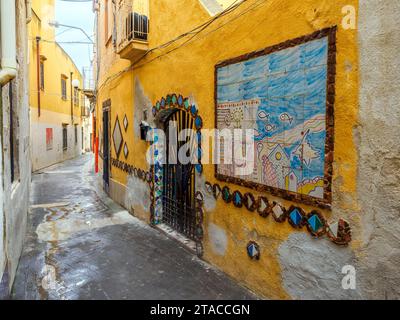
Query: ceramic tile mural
[{"x": 283, "y": 97}]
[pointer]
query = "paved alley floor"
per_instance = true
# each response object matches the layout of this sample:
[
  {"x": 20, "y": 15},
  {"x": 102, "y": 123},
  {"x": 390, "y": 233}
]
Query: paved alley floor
[{"x": 82, "y": 245}]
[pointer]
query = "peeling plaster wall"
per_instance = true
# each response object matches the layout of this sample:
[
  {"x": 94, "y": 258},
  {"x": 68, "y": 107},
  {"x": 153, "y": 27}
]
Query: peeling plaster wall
[
  {"x": 312, "y": 269},
  {"x": 379, "y": 149},
  {"x": 15, "y": 196},
  {"x": 137, "y": 197},
  {"x": 142, "y": 103}
]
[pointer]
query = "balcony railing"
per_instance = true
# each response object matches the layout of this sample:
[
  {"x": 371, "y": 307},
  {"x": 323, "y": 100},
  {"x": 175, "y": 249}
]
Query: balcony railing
[{"x": 132, "y": 28}]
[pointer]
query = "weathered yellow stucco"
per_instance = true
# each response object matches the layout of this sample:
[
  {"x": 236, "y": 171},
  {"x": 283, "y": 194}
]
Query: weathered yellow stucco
[
  {"x": 189, "y": 70},
  {"x": 57, "y": 62},
  {"x": 55, "y": 110}
]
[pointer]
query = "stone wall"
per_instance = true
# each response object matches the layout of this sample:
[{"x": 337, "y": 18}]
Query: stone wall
[{"x": 378, "y": 137}]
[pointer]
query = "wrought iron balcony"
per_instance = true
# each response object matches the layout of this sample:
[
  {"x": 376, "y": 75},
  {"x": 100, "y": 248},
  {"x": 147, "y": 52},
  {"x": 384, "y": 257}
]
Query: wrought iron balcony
[{"x": 132, "y": 28}]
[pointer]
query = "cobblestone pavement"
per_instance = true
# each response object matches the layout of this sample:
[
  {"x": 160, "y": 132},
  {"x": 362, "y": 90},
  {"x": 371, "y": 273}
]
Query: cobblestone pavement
[{"x": 82, "y": 245}]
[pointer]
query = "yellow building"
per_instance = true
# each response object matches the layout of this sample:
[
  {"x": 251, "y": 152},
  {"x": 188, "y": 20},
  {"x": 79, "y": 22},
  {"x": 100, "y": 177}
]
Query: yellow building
[
  {"x": 55, "y": 103},
  {"x": 287, "y": 70}
]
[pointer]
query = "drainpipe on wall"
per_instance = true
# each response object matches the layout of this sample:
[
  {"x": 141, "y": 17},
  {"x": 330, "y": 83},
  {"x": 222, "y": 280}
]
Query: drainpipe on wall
[
  {"x": 38, "y": 72},
  {"x": 9, "y": 67},
  {"x": 72, "y": 109}
]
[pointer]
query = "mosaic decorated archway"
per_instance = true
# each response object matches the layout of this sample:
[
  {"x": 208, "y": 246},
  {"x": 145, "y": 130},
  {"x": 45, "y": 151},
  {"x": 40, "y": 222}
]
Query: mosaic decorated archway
[{"x": 162, "y": 111}]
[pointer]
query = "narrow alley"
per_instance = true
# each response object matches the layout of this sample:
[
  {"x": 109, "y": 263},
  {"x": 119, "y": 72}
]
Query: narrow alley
[
  {"x": 81, "y": 245},
  {"x": 199, "y": 150}
]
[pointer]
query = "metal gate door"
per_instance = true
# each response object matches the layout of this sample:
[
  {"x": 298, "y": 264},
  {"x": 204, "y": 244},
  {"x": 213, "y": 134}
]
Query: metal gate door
[
  {"x": 106, "y": 149},
  {"x": 179, "y": 182}
]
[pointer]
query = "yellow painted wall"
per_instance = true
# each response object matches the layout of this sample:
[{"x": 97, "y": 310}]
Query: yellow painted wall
[
  {"x": 189, "y": 70},
  {"x": 57, "y": 63}
]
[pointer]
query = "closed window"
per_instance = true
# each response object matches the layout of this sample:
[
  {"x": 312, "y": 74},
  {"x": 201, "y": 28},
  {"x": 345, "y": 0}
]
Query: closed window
[
  {"x": 63, "y": 88},
  {"x": 42, "y": 75},
  {"x": 65, "y": 136},
  {"x": 76, "y": 133},
  {"x": 76, "y": 97}
]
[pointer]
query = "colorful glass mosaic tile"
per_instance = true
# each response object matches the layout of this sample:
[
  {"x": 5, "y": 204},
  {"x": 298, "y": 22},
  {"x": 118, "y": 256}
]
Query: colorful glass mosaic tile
[
  {"x": 193, "y": 110},
  {"x": 263, "y": 207},
  {"x": 249, "y": 202},
  {"x": 216, "y": 190},
  {"x": 295, "y": 217},
  {"x": 226, "y": 194},
  {"x": 278, "y": 212},
  {"x": 253, "y": 250},
  {"x": 186, "y": 104},
  {"x": 199, "y": 168},
  {"x": 209, "y": 187},
  {"x": 315, "y": 223},
  {"x": 237, "y": 199},
  {"x": 198, "y": 122},
  {"x": 180, "y": 100}
]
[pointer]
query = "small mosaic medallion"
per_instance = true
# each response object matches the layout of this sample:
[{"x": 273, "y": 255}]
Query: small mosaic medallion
[
  {"x": 216, "y": 190},
  {"x": 174, "y": 99},
  {"x": 278, "y": 212},
  {"x": 263, "y": 207},
  {"x": 226, "y": 194},
  {"x": 180, "y": 100},
  {"x": 209, "y": 187},
  {"x": 295, "y": 217},
  {"x": 168, "y": 100},
  {"x": 199, "y": 168},
  {"x": 199, "y": 137},
  {"x": 193, "y": 110},
  {"x": 253, "y": 250},
  {"x": 126, "y": 150},
  {"x": 237, "y": 199},
  {"x": 316, "y": 224},
  {"x": 199, "y": 197},
  {"x": 198, "y": 122},
  {"x": 186, "y": 104},
  {"x": 125, "y": 122},
  {"x": 340, "y": 232},
  {"x": 148, "y": 177},
  {"x": 249, "y": 202}
]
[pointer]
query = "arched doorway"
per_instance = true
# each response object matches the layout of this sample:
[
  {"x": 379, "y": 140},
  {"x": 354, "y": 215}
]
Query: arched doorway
[{"x": 178, "y": 179}]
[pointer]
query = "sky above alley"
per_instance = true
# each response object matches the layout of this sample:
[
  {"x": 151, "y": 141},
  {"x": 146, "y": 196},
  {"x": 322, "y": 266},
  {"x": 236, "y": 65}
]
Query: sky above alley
[{"x": 76, "y": 13}]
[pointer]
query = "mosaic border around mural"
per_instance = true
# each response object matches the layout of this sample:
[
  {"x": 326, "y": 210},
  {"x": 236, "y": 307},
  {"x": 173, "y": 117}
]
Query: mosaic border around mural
[
  {"x": 330, "y": 100},
  {"x": 338, "y": 232}
]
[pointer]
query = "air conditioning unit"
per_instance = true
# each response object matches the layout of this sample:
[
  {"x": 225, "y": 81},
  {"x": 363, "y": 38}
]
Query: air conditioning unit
[{"x": 137, "y": 26}]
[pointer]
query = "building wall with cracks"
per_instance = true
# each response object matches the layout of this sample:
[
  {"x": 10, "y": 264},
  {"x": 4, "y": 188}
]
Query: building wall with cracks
[
  {"x": 15, "y": 181},
  {"x": 293, "y": 263}
]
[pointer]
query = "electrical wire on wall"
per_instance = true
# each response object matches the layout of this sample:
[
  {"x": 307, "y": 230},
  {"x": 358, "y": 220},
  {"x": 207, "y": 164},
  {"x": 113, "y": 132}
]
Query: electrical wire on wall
[
  {"x": 193, "y": 33},
  {"x": 63, "y": 42}
]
